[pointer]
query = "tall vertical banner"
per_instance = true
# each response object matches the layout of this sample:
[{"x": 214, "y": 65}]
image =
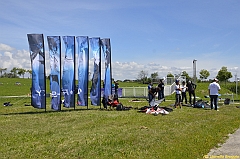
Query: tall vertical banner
[
  {"x": 83, "y": 58},
  {"x": 54, "y": 45},
  {"x": 106, "y": 47},
  {"x": 37, "y": 55},
  {"x": 68, "y": 78},
  {"x": 95, "y": 50}
]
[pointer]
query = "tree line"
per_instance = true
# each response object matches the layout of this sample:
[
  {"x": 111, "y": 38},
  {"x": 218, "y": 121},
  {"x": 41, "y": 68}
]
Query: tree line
[
  {"x": 14, "y": 72},
  {"x": 223, "y": 75}
]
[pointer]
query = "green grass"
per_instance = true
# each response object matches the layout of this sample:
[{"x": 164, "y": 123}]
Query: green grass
[{"x": 27, "y": 132}]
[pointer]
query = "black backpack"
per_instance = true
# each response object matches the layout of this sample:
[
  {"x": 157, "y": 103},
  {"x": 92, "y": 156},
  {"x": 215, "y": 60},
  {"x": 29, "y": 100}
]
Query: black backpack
[
  {"x": 120, "y": 107},
  {"x": 227, "y": 101}
]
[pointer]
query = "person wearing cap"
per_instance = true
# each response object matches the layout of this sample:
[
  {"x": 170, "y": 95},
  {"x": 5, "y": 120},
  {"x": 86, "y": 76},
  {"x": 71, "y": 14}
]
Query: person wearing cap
[
  {"x": 178, "y": 94},
  {"x": 213, "y": 89}
]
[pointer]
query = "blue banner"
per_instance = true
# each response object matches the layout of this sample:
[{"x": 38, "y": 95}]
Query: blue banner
[
  {"x": 95, "y": 92},
  {"x": 107, "y": 86},
  {"x": 83, "y": 58},
  {"x": 37, "y": 55},
  {"x": 54, "y": 44},
  {"x": 68, "y": 78}
]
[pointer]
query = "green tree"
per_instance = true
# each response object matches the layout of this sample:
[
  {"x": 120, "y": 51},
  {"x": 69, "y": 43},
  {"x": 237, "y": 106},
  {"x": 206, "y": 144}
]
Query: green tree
[
  {"x": 142, "y": 76},
  {"x": 9, "y": 75},
  {"x": 14, "y": 72},
  {"x": 30, "y": 73},
  {"x": 204, "y": 74},
  {"x": 154, "y": 76},
  {"x": 170, "y": 75},
  {"x": 184, "y": 73},
  {"x": 223, "y": 74},
  {"x": 21, "y": 71}
]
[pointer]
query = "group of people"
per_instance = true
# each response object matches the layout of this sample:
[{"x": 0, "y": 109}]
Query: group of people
[
  {"x": 181, "y": 89},
  {"x": 181, "y": 93}
]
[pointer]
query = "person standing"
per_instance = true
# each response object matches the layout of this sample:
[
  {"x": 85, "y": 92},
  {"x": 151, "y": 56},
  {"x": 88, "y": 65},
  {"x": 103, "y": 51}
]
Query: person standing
[
  {"x": 116, "y": 88},
  {"x": 213, "y": 89},
  {"x": 150, "y": 85},
  {"x": 191, "y": 90},
  {"x": 160, "y": 90},
  {"x": 184, "y": 90},
  {"x": 152, "y": 94},
  {"x": 177, "y": 94}
]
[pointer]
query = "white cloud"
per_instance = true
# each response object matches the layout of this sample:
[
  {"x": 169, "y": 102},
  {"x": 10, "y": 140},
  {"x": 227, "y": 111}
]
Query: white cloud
[
  {"x": 4, "y": 47},
  {"x": 9, "y": 58},
  {"x": 130, "y": 70}
]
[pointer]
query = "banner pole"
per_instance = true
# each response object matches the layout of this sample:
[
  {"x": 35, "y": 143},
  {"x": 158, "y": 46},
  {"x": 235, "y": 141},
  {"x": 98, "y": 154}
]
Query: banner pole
[
  {"x": 74, "y": 70},
  {"x": 100, "y": 63},
  {"x": 44, "y": 68},
  {"x": 88, "y": 71},
  {"x": 60, "y": 74},
  {"x": 110, "y": 64}
]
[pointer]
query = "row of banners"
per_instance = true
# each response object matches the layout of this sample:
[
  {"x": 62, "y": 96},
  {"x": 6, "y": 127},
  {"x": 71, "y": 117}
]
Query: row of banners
[{"x": 66, "y": 85}]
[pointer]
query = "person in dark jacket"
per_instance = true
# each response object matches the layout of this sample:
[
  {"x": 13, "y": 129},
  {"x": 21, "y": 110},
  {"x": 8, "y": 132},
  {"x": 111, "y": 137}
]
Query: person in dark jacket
[
  {"x": 116, "y": 88},
  {"x": 191, "y": 90},
  {"x": 160, "y": 90}
]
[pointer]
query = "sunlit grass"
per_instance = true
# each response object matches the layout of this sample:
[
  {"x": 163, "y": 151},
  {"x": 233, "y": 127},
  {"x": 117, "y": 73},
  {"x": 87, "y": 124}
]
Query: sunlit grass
[{"x": 27, "y": 132}]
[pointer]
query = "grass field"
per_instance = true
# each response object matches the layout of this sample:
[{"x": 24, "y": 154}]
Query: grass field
[{"x": 187, "y": 133}]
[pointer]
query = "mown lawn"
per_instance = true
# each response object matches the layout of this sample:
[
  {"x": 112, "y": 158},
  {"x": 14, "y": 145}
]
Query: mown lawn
[{"x": 187, "y": 133}]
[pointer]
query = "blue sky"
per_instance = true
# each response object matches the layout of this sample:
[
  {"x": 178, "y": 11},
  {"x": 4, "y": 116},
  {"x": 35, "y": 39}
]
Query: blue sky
[{"x": 154, "y": 36}]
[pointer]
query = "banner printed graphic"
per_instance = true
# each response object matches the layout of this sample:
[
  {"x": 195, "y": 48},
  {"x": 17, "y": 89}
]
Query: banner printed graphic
[
  {"x": 83, "y": 57},
  {"x": 54, "y": 44},
  {"x": 37, "y": 55},
  {"x": 95, "y": 92},
  {"x": 68, "y": 78},
  {"x": 106, "y": 47}
]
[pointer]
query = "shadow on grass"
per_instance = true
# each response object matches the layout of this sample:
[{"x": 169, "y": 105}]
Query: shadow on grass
[{"x": 57, "y": 111}]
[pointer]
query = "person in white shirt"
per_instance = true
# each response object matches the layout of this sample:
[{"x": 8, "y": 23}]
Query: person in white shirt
[
  {"x": 184, "y": 90},
  {"x": 178, "y": 94},
  {"x": 213, "y": 89}
]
